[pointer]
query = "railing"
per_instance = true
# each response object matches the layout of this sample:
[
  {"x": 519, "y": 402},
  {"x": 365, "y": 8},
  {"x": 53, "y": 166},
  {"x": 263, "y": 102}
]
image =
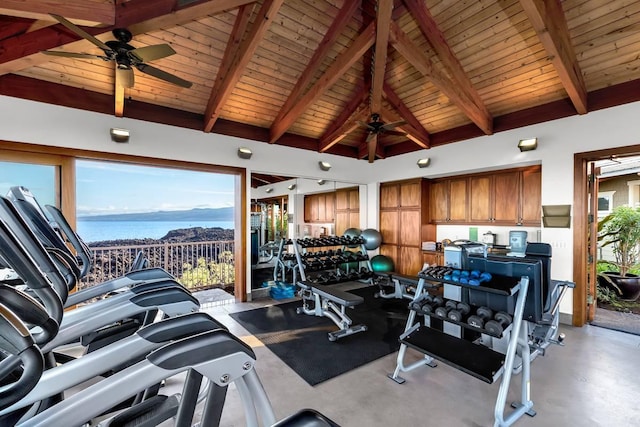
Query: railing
[{"x": 196, "y": 265}]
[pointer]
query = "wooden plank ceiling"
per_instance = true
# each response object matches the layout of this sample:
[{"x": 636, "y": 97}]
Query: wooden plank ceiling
[{"x": 313, "y": 74}]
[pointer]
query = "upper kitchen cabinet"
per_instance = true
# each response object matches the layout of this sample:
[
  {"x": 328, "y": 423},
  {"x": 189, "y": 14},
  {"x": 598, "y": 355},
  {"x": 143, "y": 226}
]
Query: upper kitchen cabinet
[
  {"x": 319, "y": 207},
  {"x": 448, "y": 200},
  {"x": 510, "y": 197}
]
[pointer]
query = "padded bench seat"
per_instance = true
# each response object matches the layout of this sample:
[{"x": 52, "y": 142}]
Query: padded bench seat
[{"x": 341, "y": 297}]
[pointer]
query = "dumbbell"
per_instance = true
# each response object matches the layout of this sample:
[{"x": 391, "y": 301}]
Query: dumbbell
[
  {"x": 499, "y": 323},
  {"x": 443, "y": 311},
  {"x": 416, "y": 305},
  {"x": 429, "y": 304},
  {"x": 483, "y": 314},
  {"x": 481, "y": 278},
  {"x": 458, "y": 313}
]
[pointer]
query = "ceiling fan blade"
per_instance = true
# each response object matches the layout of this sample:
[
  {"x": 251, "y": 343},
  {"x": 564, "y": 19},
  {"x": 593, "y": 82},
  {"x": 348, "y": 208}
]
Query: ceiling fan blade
[
  {"x": 151, "y": 53},
  {"x": 364, "y": 125},
  {"x": 124, "y": 77},
  {"x": 373, "y": 146},
  {"x": 73, "y": 55},
  {"x": 163, "y": 75},
  {"x": 392, "y": 125},
  {"x": 82, "y": 33}
]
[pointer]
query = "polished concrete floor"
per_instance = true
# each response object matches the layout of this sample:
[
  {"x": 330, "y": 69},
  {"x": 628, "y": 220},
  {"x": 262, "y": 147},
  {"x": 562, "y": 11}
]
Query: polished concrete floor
[{"x": 593, "y": 380}]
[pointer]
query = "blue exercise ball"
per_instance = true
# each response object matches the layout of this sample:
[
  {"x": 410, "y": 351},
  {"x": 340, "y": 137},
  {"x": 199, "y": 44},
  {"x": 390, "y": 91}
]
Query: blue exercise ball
[
  {"x": 382, "y": 264},
  {"x": 372, "y": 238}
]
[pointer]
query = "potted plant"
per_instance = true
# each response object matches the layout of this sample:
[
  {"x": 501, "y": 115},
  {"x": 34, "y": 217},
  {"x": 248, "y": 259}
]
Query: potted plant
[{"x": 621, "y": 231}]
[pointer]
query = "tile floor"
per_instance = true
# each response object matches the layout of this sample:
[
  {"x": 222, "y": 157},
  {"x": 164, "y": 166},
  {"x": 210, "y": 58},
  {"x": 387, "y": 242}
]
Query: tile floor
[{"x": 592, "y": 381}]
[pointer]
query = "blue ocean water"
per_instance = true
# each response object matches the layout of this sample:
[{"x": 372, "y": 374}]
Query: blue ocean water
[{"x": 95, "y": 231}]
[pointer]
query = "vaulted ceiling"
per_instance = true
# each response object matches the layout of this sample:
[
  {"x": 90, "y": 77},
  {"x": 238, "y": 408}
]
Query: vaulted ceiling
[{"x": 311, "y": 74}]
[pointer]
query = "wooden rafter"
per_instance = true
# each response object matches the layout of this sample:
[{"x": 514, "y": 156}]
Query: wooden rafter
[
  {"x": 231, "y": 53},
  {"x": 549, "y": 22},
  {"x": 454, "y": 92},
  {"x": 23, "y": 51},
  {"x": 365, "y": 148},
  {"x": 414, "y": 129},
  {"x": 436, "y": 39},
  {"x": 235, "y": 70},
  {"x": 337, "y": 26},
  {"x": 81, "y": 12},
  {"x": 383, "y": 19},
  {"x": 346, "y": 59},
  {"x": 339, "y": 126},
  {"x": 332, "y": 138}
]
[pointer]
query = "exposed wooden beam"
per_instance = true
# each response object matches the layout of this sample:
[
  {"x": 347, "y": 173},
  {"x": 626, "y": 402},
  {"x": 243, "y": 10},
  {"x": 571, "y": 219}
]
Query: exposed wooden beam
[
  {"x": 248, "y": 47},
  {"x": 363, "y": 151},
  {"x": 231, "y": 53},
  {"x": 346, "y": 59},
  {"x": 547, "y": 18},
  {"x": 415, "y": 131},
  {"x": 12, "y": 27},
  {"x": 436, "y": 39},
  {"x": 119, "y": 100},
  {"x": 80, "y": 12},
  {"x": 23, "y": 51},
  {"x": 411, "y": 133},
  {"x": 330, "y": 139},
  {"x": 453, "y": 91},
  {"x": 337, "y": 26},
  {"x": 383, "y": 19},
  {"x": 357, "y": 98}
]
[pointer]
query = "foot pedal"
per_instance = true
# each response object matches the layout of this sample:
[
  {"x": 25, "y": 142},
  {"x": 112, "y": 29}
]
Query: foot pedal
[{"x": 148, "y": 413}]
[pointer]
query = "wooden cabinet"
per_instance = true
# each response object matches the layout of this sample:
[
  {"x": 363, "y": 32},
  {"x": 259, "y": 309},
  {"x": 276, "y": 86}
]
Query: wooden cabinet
[
  {"x": 347, "y": 209},
  {"x": 511, "y": 197},
  {"x": 531, "y": 197},
  {"x": 448, "y": 201},
  {"x": 433, "y": 258},
  {"x": 319, "y": 207},
  {"x": 404, "y": 223}
]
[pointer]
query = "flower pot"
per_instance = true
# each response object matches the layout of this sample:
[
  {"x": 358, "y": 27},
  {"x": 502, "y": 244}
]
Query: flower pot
[{"x": 628, "y": 287}]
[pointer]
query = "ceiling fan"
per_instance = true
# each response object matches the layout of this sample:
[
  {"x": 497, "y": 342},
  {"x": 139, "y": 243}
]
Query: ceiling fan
[
  {"x": 125, "y": 56},
  {"x": 375, "y": 128}
]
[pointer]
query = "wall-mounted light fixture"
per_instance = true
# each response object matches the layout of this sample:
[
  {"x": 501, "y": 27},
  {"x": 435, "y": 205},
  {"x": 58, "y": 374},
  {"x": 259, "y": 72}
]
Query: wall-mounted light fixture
[
  {"x": 528, "y": 144},
  {"x": 268, "y": 189},
  {"x": 244, "y": 153},
  {"x": 423, "y": 163},
  {"x": 119, "y": 135},
  {"x": 321, "y": 182},
  {"x": 291, "y": 187},
  {"x": 325, "y": 166}
]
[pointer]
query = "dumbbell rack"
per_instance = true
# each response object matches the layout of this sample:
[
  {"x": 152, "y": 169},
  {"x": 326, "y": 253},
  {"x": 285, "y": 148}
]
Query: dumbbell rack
[{"x": 445, "y": 340}]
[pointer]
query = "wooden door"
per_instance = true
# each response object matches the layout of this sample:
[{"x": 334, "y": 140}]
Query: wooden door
[
  {"x": 410, "y": 194},
  {"x": 438, "y": 201},
  {"x": 531, "y": 197},
  {"x": 479, "y": 196},
  {"x": 354, "y": 199},
  {"x": 458, "y": 200},
  {"x": 389, "y": 197},
  {"x": 389, "y": 225},
  {"x": 506, "y": 198},
  {"x": 342, "y": 200},
  {"x": 329, "y": 207},
  {"x": 342, "y": 222},
  {"x": 409, "y": 228}
]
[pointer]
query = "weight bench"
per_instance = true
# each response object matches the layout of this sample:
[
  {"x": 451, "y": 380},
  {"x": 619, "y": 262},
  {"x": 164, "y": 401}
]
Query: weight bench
[
  {"x": 331, "y": 302},
  {"x": 401, "y": 284}
]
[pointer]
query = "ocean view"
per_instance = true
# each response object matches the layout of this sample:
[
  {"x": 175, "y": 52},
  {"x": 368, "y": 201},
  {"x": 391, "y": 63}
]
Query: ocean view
[{"x": 96, "y": 231}]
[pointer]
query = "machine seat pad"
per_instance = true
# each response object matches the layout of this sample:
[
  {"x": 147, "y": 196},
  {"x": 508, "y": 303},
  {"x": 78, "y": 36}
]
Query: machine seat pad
[
  {"x": 336, "y": 295},
  {"x": 405, "y": 278}
]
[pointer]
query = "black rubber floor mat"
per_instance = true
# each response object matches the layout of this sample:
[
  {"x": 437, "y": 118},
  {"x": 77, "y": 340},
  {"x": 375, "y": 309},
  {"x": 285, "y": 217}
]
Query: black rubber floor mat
[{"x": 301, "y": 340}]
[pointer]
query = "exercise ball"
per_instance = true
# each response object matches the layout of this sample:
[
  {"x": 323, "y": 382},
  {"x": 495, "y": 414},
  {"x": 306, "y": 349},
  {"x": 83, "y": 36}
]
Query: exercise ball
[
  {"x": 352, "y": 232},
  {"x": 382, "y": 264},
  {"x": 372, "y": 238}
]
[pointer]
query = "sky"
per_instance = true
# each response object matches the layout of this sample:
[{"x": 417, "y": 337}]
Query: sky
[{"x": 113, "y": 188}]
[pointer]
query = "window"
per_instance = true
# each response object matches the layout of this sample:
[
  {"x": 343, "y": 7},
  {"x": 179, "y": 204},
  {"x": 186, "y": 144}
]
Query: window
[{"x": 605, "y": 203}]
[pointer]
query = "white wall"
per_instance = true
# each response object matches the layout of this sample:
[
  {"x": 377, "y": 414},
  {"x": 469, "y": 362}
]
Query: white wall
[{"x": 32, "y": 122}]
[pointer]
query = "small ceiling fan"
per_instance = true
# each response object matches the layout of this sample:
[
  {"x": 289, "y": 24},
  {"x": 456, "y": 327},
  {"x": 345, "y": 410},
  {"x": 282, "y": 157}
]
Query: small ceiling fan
[
  {"x": 375, "y": 128},
  {"x": 125, "y": 56}
]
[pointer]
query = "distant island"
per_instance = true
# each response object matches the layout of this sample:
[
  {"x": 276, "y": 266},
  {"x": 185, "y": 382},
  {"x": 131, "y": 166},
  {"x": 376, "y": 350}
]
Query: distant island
[{"x": 197, "y": 214}]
